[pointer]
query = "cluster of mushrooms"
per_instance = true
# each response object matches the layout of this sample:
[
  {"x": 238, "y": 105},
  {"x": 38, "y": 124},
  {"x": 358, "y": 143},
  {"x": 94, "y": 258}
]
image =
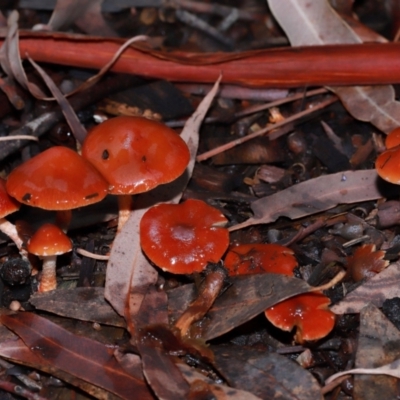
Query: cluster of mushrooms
[{"x": 129, "y": 155}]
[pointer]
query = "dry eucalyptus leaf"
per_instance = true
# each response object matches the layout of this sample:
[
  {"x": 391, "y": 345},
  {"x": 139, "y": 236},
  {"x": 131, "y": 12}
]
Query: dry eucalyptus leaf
[
  {"x": 129, "y": 273},
  {"x": 267, "y": 375},
  {"x": 221, "y": 392},
  {"x": 72, "y": 119},
  {"x": 378, "y": 353},
  {"x": 84, "y": 303},
  {"x": 316, "y": 23},
  {"x": 315, "y": 195},
  {"x": 383, "y": 286},
  {"x": 86, "y": 14},
  {"x": 159, "y": 369},
  {"x": 248, "y": 296}
]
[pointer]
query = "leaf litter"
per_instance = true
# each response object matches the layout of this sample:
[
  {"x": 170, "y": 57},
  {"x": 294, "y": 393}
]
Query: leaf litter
[{"x": 233, "y": 308}]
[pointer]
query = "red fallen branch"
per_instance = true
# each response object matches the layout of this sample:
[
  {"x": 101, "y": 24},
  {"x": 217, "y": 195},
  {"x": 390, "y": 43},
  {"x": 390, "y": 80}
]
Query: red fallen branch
[{"x": 371, "y": 63}]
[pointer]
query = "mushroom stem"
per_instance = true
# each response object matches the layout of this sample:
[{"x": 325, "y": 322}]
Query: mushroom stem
[
  {"x": 11, "y": 231},
  {"x": 205, "y": 299},
  {"x": 48, "y": 280},
  {"x": 63, "y": 219},
  {"x": 125, "y": 204}
]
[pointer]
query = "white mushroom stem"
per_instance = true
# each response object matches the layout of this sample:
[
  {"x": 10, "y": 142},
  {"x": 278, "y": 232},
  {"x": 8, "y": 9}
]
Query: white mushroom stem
[
  {"x": 48, "y": 280},
  {"x": 10, "y": 230},
  {"x": 125, "y": 204}
]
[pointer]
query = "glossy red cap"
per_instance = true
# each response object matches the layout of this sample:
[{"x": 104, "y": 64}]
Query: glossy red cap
[
  {"x": 307, "y": 312},
  {"x": 260, "y": 258},
  {"x": 57, "y": 179},
  {"x": 183, "y": 238},
  {"x": 8, "y": 205},
  {"x": 393, "y": 139},
  {"x": 388, "y": 165},
  {"x": 49, "y": 240},
  {"x": 135, "y": 154}
]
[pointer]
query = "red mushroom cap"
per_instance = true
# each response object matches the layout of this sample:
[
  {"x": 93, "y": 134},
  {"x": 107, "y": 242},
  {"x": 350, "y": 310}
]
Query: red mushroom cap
[
  {"x": 49, "y": 240},
  {"x": 393, "y": 139},
  {"x": 183, "y": 238},
  {"x": 57, "y": 179},
  {"x": 307, "y": 312},
  {"x": 8, "y": 205},
  {"x": 260, "y": 258},
  {"x": 388, "y": 165},
  {"x": 135, "y": 154}
]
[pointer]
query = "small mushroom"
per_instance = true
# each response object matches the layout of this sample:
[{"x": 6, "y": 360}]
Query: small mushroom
[
  {"x": 308, "y": 312},
  {"x": 134, "y": 155},
  {"x": 48, "y": 242},
  {"x": 183, "y": 238},
  {"x": 57, "y": 179},
  {"x": 366, "y": 262},
  {"x": 260, "y": 258}
]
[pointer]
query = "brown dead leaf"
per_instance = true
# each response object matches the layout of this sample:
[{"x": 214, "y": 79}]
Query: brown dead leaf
[
  {"x": 316, "y": 23},
  {"x": 72, "y": 119},
  {"x": 266, "y": 375},
  {"x": 248, "y": 296},
  {"x": 315, "y": 195},
  {"x": 378, "y": 353},
  {"x": 83, "y": 303},
  {"x": 81, "y": 357},
  {"x": 160, "y": 371},
  {"x": 86, "y": 14},
  {"x": 11, "y": 59},
  {"x": 17, "y": 351},
  {"x": 385, "y": 285},
  {"x": 221, "y": 392},
  {"x": 129, "y": 273}
]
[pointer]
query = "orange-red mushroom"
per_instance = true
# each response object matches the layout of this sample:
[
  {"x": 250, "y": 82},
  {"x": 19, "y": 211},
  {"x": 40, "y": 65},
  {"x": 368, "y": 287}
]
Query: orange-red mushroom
[
  {"x": 183, "y": 238},
  {"x": 48, "y": 242},
  {"x": 393, "y": 139},
  {"x": 260, "y": 258},
  {"x": 135, "y": 155},
  {"x": 307, "y": 312},
  {"x": 388, "y": 165},
  {"x": 57, "y": 179}
]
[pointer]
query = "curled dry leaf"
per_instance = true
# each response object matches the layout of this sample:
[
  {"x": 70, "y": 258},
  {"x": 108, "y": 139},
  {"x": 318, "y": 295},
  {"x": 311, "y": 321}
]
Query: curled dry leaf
[
  {"x": 366, "y": 262},
  {"x": 129, "y": 273},
  {"x": 316, "y": 23},
  {"x": 266, "y": 375},
  {"x": 248, "y": 296},
  {"x": 385, "y": 285},
  {"x": 86, "y": 14},
  {"x": 377, "y": 354},
  {"x": 83, "y": 303},
  {"x": 315, "y": 195}
]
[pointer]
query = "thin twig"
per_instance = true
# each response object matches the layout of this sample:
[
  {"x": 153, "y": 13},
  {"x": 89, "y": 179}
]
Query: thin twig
[
  {"x": 19, "y": 137},
  {"x": 234, "y": 143},
  {"x": 89, "y": 254}
]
